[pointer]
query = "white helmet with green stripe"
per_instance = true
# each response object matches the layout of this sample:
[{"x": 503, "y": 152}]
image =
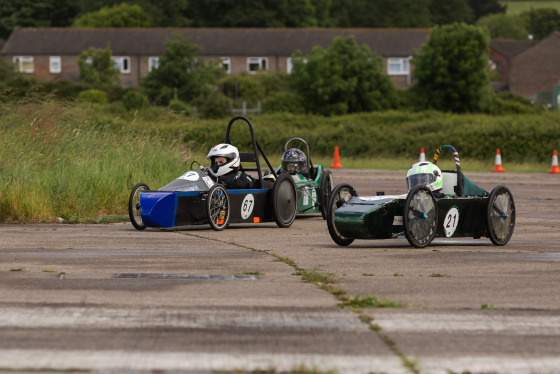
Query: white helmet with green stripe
[{"x": 426, "y": 174}]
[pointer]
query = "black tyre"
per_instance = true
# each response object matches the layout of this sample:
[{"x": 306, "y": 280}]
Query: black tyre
[
  {"x": 134, "y": 210},
  {"x": 341, "y": 194},
  {"x": 325, "y": 191},
  {"x": 500, "y": 216},
  {"x": 284, "y": 200},
  {"x": 420, "y": 217},
  {"x": 217, "y": 207}
]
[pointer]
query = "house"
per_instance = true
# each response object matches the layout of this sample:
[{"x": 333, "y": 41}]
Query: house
[
  {"x": 51, "y": 53},
  {"x": 536, "y": 71},
  {"x": 502, "y": 51}
]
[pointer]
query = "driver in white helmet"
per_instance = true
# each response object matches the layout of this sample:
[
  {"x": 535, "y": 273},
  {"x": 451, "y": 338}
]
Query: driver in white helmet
[
  {"x": 425, "y": 174},
  {"x": 225, "y": 164}
]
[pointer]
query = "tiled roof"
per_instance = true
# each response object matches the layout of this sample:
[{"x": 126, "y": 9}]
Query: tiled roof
[
  {"x": 510, "y": 47},
  {"x": 213, "y": 41}
]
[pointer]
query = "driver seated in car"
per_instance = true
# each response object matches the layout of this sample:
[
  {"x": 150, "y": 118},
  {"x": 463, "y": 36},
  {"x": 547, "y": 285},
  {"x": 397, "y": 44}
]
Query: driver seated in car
[
  {"x": 425, "y": 174},
  {"x": 225, "y": 163},
  {"x": 294, "y": 161}
]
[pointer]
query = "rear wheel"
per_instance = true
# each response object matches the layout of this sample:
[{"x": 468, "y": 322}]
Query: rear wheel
[
  {"x": 420, "y": 217},
  {"x": 217, "y": 207},
  {"x": 325, "y": 191},
  {"x": 134, "y": 209},
  {"x": 500, "y": 215},
  {"x": 284, "y": 199},
  {"x": 341, "y": 194}
]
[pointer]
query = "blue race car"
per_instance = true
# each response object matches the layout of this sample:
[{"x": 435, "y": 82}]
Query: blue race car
[{"x": 195, "y": 198}]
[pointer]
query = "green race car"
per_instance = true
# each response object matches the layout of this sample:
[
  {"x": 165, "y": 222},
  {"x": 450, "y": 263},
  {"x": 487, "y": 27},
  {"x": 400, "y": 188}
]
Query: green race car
[
  {"x": 439, "y": 203},
  {"x": 313, "y": 183}
]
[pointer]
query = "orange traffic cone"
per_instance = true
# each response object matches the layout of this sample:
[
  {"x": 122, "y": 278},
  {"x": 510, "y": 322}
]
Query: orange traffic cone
[
  {"x": 554, "y": 169},
  {"x": 336, "y": 161},
  {"x": 498, "y": 168},
  {"x": 422, "y": 155}
]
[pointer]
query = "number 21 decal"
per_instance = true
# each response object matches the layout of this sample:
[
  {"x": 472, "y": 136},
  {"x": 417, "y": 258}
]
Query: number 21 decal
[{"x": 451, "y": 221}]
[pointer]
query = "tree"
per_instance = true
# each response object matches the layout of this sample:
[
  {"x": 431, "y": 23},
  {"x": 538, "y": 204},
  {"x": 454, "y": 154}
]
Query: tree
[
  {"x": 182, "y": 74},
  {"x": 542, "y": 21},
  {"x": 379, "y": 13},
  {"x": 445, "y": 12},
  {"x": 451, "y": 69},
  {"x": 34, "y": 13},
  {"x": 97, "y": 67},
  {"x": 482, "y": 8},
  {"x": 122, "y": 15},
  {"x": 503, "y": 26},
  {"x": 163, "y": 13},
  {"x": 344, "y": 78},
  {"x": 252, "y": 13}
]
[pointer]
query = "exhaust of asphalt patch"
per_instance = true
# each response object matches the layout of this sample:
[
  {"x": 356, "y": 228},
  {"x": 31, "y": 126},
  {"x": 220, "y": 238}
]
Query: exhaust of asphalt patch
[{"x": 186, "y": 276}]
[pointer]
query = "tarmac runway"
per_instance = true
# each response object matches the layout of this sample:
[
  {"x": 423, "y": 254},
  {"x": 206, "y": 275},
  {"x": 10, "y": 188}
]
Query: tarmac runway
[{"x": 111, "y": 299}]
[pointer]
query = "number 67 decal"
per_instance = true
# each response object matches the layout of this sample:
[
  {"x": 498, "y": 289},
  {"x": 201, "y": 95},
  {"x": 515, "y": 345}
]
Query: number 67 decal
[
  {"x": 451, "y": 221},
  {"x": 247, "y": 206}
]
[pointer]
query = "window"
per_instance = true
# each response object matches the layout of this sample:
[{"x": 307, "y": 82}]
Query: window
[
  {"x": 122, "y": 63},
  {"x": 255, "y": 64},
  {"x": 153, "y": 63},
  {"x": 226, "y": 64},
  {"x": 55, "y": 65},
  {"x": 398, "y": 66},
  {"x": 24, "y": 64}
]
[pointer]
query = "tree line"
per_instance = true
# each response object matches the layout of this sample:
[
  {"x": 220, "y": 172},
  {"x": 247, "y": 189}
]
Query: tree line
[
  {"x": 241, "y": 13},
  {"x": 341, "y": 79}
]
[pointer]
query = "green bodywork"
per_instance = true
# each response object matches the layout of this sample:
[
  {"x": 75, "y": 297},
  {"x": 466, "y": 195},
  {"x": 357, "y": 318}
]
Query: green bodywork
[
  {"x": 381, "y": 217},
  {"x": 308, "y": 191}
]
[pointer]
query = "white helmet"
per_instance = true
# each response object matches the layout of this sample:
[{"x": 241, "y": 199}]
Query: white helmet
[
  {"x": 426, "y": 174},
  {"x": 230, "y": 153}
]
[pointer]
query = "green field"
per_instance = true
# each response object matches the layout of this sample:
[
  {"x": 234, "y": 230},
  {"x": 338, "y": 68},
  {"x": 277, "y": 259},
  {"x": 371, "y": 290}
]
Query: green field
[{"x": 516, "y": 7}]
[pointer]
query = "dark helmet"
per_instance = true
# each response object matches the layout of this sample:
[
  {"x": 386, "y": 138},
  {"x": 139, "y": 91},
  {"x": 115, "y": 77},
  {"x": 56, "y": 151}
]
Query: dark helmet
[{"x": 294, "y": 161}]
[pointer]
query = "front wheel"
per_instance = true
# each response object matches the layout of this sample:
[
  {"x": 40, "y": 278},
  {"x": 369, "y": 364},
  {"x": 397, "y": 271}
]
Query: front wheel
[
  {"x": 500, "y": 216},
  {"x": 134, "y": 209},
  {"x": 325, "y": 191},
  {"x": 284, "y": 200},
  {"x": 217, "y": 207},
  {"x": 341, "y": 194},
  {"x": 420, "y": 217}
]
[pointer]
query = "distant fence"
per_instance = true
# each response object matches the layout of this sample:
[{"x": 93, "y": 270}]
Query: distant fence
[{"x": 244, "y": 110}]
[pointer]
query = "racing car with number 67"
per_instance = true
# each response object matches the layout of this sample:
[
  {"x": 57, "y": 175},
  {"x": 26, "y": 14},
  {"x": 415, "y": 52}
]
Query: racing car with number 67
[{"x": 196, "y": 197}]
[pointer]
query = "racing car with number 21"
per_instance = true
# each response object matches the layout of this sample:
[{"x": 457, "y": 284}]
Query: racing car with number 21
[{"x": 443, "y": 204}]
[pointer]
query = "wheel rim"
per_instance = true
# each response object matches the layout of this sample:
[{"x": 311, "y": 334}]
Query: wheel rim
[
  {"x": 284, "y": 203},
  {"x": 501, "y": 214},
  {"x": 136, "y": 209},
  {"x": 219, "y": 208},
  {"x": 421, "y": 216},
  {"x": 339, "y": 197}
]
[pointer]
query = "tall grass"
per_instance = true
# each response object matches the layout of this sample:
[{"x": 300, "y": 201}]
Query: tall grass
[{"x": 64, "y": 160}]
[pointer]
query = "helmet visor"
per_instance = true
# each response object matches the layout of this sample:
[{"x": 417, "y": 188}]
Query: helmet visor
[{"x": 422, "y": 179}]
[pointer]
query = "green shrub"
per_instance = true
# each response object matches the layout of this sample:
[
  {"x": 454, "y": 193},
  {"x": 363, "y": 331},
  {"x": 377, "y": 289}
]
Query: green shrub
[
  {"x": 93, "y": 96},
  {"x": 134, "y": 100},
  {"x": 283, "y": 102},
  {"x": 64, "y": 89},
  {"x": 180, "y": 106},
  {"x": 215, "y": 106}
]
